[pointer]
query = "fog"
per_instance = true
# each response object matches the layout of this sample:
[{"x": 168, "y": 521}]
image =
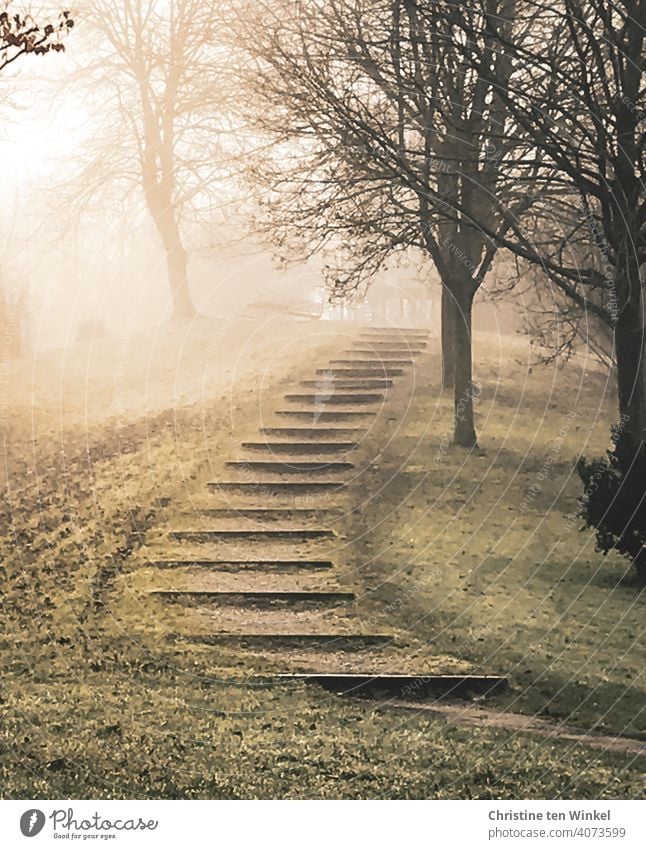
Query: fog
[
  {"x": 322, "y": 406},
  {"x": 84, "y": 261}
]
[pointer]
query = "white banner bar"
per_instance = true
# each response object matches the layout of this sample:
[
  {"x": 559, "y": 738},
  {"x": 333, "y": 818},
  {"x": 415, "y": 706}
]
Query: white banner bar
[{"x": 314, "y": 824}]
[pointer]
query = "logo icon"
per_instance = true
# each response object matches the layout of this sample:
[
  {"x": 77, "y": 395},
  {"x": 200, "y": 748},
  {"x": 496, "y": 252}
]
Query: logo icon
[
  {"x": 32, "y": 822},
  {"x": 323, "y": 393}
]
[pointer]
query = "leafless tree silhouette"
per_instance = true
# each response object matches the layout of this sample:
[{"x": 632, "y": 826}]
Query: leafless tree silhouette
[
  {"x": 381, "y": 138},
  {"x": 578, "y": 95},
  {"x": 160, "y": 70}
]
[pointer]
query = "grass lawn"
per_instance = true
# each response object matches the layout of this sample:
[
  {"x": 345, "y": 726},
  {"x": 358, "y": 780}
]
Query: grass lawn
[{"x": 465, "y": 556}]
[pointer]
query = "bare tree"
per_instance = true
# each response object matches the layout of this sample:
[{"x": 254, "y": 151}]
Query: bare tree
[
  {"x": 160, "y": 73},
  {"x": 557, "y": 325},
  {"x": 578, "y": 96},
  {"x": 21, "y": 35},
  {"x": 380, "y": 139}
]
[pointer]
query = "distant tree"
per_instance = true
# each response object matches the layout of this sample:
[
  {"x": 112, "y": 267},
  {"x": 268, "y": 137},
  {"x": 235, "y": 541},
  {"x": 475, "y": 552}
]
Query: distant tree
[
  {"x": 377, "y": 138},
  {"x": 21, "y": 35},
  {"x": 157, "y": 68}
]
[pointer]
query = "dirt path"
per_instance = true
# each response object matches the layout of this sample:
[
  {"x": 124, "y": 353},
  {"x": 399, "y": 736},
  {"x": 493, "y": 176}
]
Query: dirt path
[{"x": 471, "y": 717}]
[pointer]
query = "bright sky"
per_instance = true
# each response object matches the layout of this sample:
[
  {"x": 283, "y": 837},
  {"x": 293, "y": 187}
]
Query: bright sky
[{"x": 38, "y": 137}]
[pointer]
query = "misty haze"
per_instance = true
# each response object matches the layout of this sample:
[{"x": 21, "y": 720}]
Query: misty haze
[{"x": 323, "y": 399}]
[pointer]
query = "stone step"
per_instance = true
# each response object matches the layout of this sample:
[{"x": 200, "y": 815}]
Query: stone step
[
  {"x": 255, "y": 514},
  {"x": 374, "y": 362},
  {"x": 187, "y": 580},
  {"x": 315, "y": 415},
  {"x": 255, "y": 535},
  {"x": 300, "y": 447},
  {"x": 265, "y": 515},
  {"x": 290, "y": 467},
  {"x": 267, "y": 487},
  {"x": 336, "y": 642},
  {"x": 342, "y": 383},
  {"x": 387, "y": 353},
  {"x": 399, "y": 686},
  {"x": 233, "y": 566},
  {"x": 231, "y": 550},
  {"x": 395, "y": 344},
  {"x": 312, "y": 432},
  {"x": 385, "y": 341},
  {"x": 209, "y": 619},
  {"x": 393, "y": 333},
  {"x": 379, "y": 372},
  {"x": 272, "y": 598},
  {"x": 344, "y": 399},
  {"x": 395, "y": 328}
]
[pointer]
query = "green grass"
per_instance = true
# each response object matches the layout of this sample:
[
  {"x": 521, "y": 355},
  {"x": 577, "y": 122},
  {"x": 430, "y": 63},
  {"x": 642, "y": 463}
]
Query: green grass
[
  {"x": 458, "y": 568},
  {"x": 170, "y": 737},
  {"x": 486, "y": 561}
]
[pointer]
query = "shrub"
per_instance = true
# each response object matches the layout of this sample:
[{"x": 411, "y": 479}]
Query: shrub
[{"x": 614, "y": 503}]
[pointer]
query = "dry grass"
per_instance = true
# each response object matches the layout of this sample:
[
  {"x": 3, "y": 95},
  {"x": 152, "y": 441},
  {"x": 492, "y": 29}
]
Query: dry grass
[{"x": 448, "y": 558}]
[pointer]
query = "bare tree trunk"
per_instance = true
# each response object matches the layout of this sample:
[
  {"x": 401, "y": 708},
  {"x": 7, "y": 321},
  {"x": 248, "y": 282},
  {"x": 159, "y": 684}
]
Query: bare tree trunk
[
  {"x": 464, "y": 433},
  {"x": 176, "y": 263},
  {"x": 631, "y": 373},
  {"x": 448, "y": 338}
]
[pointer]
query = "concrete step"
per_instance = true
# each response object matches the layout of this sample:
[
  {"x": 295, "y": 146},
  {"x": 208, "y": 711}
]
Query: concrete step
[
  {"x": 232, "y": 550},
  {"x": 396, "y": 334},
  {"x": 385, "y": 341},
  {"x": 280, "y": 642},
  {"x": 190, "y": 580},
  {"x": 316, "y": 415},
  {"x": 261, "y": 516},
  {"x": 253, "y": 535},
  {"x": 386, "y": 353},
  {"x": 398, "y": 686},
  {"x": 373, "y": 362},
  {"x": 341, "y": 398},
  {"x": 234, "y": 566},
  {"x": 290, "y": 467},
  {"x": 395, "y": 328},
  {"x": 380, "y": 371},
  {"x": 393, "y": 344},
  {"x": 312, "y": 432},
  {"x": 267, "y": 487},
  {"x": 300, "y": 447},
  {"x": 285, "y": 618},
  {"x": 350, "y": 384},
  {"x": 268, "y": 598}
]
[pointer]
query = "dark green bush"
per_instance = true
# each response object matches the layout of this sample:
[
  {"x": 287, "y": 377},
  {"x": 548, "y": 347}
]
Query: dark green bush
[{"x": 614, "y": 502}]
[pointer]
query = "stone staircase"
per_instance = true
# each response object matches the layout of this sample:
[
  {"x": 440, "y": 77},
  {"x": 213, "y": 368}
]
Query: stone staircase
[{"x": 263, "y": 573}]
